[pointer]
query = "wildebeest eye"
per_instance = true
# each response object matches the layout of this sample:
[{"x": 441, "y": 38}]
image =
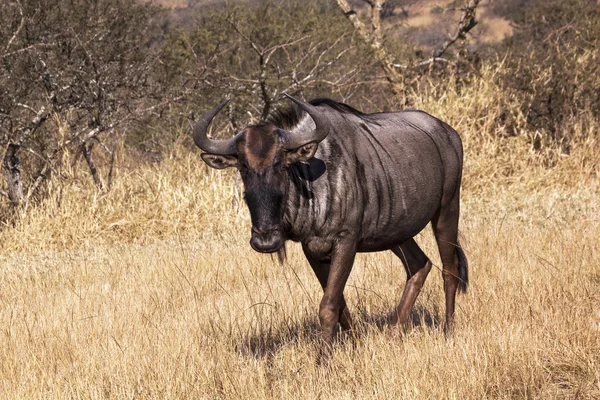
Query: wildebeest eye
[{"x": 279, "y": 165}]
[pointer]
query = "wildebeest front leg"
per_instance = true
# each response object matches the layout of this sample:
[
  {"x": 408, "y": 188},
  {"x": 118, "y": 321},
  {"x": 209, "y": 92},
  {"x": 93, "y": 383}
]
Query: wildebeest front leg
[
  {"x": 321, "y": 270},
  {"x": 342, "y": 258}
]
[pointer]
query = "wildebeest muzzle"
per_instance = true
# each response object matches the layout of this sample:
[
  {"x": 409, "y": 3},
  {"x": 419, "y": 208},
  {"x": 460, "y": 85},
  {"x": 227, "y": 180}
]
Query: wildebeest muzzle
[{"x": 266, "y": 239}]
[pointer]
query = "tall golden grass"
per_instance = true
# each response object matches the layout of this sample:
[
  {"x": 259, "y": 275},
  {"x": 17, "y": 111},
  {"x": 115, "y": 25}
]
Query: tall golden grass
[{"x": 152, "y": 291}]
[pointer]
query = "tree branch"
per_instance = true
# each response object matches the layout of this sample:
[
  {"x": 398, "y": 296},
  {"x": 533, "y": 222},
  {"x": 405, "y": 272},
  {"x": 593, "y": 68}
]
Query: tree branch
[
  {"x": 14, "y": 36},
  {"x": 87, "y": 154},
  {"x": 466, "y": 23},
  {"x": 38, "y": 181},
  {"x": 375, "y": 40}
]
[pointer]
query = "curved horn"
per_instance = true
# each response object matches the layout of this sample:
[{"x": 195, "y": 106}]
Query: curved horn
[
  {"x": 221, "y": 147},
  {"x": 294, "y": 140}
]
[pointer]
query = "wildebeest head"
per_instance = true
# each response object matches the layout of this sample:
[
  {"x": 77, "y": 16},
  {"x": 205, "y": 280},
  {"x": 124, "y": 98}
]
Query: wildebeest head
[{"x": 262, "y": 153}]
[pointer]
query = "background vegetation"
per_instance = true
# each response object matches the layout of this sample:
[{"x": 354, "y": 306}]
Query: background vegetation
[{"x": 124, "y": 264}]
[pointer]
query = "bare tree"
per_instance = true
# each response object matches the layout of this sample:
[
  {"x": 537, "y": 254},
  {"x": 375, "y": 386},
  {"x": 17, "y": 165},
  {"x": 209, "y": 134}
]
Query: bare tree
[
  {"x": 373, "y": 36},
  {"x": 70, "y": 74},
  {"x": 240, "y": 52},
  {"x": 396, "y": 72}
]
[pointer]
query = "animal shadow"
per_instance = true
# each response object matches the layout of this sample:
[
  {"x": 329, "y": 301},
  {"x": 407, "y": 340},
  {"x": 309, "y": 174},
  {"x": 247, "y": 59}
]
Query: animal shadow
[
  {"x": 267, "y": 344},
  {"x": 419, "y": 317}
]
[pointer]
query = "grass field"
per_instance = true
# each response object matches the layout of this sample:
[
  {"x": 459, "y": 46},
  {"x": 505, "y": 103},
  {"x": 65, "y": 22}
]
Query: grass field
[{"x": 152, "y": 291}]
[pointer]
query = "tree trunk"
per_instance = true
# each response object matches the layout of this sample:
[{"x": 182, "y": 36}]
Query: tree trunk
[
  {"x": 374, "y": 38},
  {"x": 13, "y": 174},
  {"x": 87, "y": 154}
]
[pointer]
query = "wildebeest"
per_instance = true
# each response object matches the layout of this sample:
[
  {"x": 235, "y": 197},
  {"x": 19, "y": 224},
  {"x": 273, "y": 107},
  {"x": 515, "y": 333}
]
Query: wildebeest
[{"x": 340, "y": 182}]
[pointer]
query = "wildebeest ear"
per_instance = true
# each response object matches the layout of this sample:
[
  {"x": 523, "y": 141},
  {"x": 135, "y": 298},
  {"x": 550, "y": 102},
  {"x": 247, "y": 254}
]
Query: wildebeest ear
[
  {"x": 218, "y": 161},
  {"x": 302, "y": 153}
]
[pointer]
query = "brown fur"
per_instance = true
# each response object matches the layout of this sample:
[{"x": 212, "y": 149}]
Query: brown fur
[{"x": 260, "y": 146}]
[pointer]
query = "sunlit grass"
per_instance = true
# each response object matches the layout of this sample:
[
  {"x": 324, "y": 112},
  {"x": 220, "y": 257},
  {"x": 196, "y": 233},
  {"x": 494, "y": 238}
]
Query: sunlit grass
[{"x": 152, "y": 291}]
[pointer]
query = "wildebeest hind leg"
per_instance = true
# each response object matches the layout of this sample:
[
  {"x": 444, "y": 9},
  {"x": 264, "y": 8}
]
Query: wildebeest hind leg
[
  {"x": 321, "y": 270},
  {"x": 417, "y": 267},
  {"x": 445, "y": 229}
]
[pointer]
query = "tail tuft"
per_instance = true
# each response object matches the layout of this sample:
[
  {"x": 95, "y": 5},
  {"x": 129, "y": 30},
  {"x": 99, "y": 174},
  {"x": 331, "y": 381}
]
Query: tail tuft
[{"x": 463, "y": 270}]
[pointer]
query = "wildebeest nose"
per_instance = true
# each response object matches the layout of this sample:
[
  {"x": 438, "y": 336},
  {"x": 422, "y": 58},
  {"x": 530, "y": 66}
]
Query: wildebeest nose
[
  {"x": 266, "y": 239},
  {"x": 263, "y": 230}
]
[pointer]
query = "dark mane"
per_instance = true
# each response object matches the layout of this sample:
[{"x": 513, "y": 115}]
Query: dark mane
[{"x": 288, "y": 118}]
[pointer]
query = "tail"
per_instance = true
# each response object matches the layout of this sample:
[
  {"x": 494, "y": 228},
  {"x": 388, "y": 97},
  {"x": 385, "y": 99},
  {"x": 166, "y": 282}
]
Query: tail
[{"x": 463, "y": 270}]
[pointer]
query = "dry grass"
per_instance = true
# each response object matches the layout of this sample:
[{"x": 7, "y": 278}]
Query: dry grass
[{"x": 152, "y": 291}]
